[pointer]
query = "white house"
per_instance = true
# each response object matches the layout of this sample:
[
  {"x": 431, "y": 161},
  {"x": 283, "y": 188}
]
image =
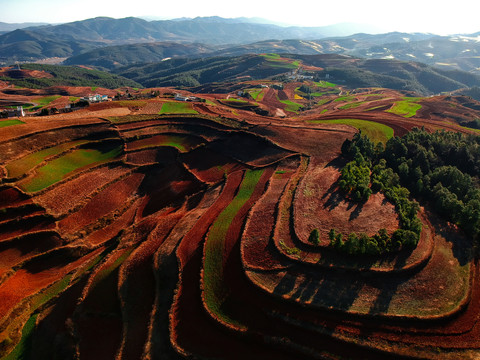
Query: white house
[
  {"x": 16, "y": 112},
  {"x": 181, "y": 97}
]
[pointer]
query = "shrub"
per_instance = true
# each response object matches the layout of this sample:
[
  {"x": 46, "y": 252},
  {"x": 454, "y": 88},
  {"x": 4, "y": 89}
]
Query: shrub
[{"x": 314, "y": 237}]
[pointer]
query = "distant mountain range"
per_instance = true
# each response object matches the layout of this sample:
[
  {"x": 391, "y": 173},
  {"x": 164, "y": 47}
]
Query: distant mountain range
[
  {"x": 73, "y": 38},
  {"x": 220, "y": 36},
  {"x": 444, "y": 52},
  {"x": 7, "y": 27}
]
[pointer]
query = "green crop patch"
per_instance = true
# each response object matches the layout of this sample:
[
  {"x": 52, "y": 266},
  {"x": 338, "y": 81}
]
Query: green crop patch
[
  {"x": 177, "y": 108},
  {"x": 291, "y": 106},
  {"x": 24, "y": 347},
  {"x": 323, "y": 101},
  {"x": 375, "y": 131},
  {"x": 351, "y": 105},
  {"x": 345, "y": 98},
  {"x": 21, "y": 166},
  {"x": 406, "y": 108},
  {"x": 256, "y": 94},
  {"x": 131, "y": 103},
  {"x": 131, "y": 118},
  {"x": 271, "y": 56},
  {"x": 57, "y": 169},
  {"x": 214, "y": 289},
  {"x": 5, "y": 123},
  {"x": 324, "y": 84},
  {"x": 275, "y": 60},
  {"x": 44, "y": 101},
  {"x": 181, "y": 142}
]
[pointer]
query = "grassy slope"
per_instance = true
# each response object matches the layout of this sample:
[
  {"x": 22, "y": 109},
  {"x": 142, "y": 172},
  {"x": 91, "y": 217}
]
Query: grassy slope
[
  {"x": 406, "y": 108},
  {"x": 21, "y": 166},
  {"x": 177, "y": 108},
  {"x": 70, "y": 76},
  {"x": 375, "y": 131},
  {"x": 5, "y": 123},
  {"x": 58, "y": 168},
  {"x": 214, "y": 289}
]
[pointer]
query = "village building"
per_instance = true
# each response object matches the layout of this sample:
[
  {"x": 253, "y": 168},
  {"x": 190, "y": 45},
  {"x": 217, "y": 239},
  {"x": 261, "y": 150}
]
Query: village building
[
  {"x": 95, "y": 98},
  {"x": 18, "y": 112}
]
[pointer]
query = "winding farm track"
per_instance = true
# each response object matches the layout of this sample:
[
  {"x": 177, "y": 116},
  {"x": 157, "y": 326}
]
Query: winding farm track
[{"x": 113, "y": 259}]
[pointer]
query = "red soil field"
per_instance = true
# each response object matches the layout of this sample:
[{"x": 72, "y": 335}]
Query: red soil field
[
  {"x": 35, "y": 276},
  {"x": 100, "y": 318},
  {"x": 108, "y": 232},
  {"x": 10, "y": 197},
  {"x": 67, "y": 196},
  {"x": 24, "y": 73},
  {"x": 108, "y": 200},
  {"x": 210, "y": 166},
  {"x": 256, "y": 246},
  {"x": 136, "y": 277},
  {"x": 21, "y": 248},
  {"x": 318, "y": 204}
]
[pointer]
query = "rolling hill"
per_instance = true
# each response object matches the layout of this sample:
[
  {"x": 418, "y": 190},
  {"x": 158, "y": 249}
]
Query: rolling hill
[
  {"x": 345, "y": 70},
  {"x": 111, "y": 57},
  {"x": 443, "y": 52},
  {"x": 37, "y": 76}
]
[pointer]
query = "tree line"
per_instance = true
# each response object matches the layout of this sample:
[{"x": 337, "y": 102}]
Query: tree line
[{"x": 442, "y": 168}]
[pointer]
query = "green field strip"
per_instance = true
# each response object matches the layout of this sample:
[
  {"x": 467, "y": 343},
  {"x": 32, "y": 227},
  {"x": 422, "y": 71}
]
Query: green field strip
[
  {"x": 375, "y": 131},
  {"x": 131, "y": 118},
  {"x": 323, "y": 101},
  {"x": 351, "y": 105},
  {"x": 275, "y": 60},
  {"x": 24, "y": 347},
  {"x": 105, "y": 273},
  {"x": 44, "y": 101},
  {"x": 5, "y": 123},
  {"x": 324, "y": 84},
  {"x": 215, "y": 292},
  {"x": 21, "y": 166},
  {"x": 57, "y": 169},
  {"x": 291, "y": 106},
  {"x": 182, "y": 143},
  {"x": 256, "y": 94},
  {"x": 271, "y": 56},
  {"x": 131, "y": 103},
  {"x": 345, "y": 98},
  {"x": 233, "y": 100},
  {"x": 376, "y": 107},
  {"x": 405, "y": 108},
  {"x": 177, "y": 108}
]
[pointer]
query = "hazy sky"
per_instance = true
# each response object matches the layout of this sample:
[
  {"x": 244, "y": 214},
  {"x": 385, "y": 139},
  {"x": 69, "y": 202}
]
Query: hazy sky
[{"x": 439, "y": 16}]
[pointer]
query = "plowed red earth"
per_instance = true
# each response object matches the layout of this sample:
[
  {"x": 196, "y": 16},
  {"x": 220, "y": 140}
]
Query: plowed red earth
[{"x": 110, "y": 260}]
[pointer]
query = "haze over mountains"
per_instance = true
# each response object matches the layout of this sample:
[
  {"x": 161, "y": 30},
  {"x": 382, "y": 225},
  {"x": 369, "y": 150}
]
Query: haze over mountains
[{"x": 109, "y": 43}]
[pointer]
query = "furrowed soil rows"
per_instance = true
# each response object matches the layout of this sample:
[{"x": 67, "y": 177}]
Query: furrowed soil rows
[{"x": 130, "y": 234}]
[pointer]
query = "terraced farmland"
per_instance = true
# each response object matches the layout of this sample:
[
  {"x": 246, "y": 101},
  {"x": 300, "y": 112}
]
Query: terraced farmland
[{"x": 174, "y": 235}]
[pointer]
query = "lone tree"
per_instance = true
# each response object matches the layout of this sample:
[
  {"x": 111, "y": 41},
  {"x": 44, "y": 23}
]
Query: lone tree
[{"x": 314, "y": 237}]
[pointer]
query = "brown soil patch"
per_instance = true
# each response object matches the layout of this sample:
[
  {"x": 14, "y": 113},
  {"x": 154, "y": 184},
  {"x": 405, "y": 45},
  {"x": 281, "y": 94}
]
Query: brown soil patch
[
  {"x": 256, "y": 244},
  {"x": 24, "y": 73},
  {"x": 319, "y": 204},
  {"x": 112, "y": 198},
  {"x": 67, "y": 196}
]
